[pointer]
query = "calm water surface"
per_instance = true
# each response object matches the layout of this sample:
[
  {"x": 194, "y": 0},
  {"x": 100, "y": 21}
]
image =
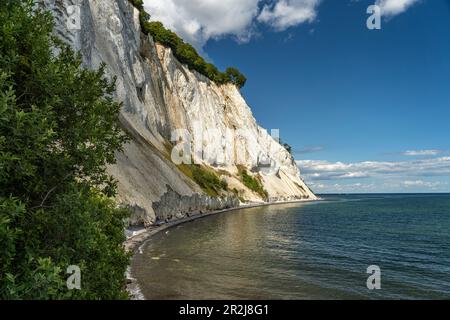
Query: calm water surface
[{"x": 317, "y": 250}]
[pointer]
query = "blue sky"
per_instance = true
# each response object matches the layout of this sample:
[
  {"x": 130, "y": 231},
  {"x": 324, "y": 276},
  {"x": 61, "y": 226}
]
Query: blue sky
[{"x": 365, "y": 110}]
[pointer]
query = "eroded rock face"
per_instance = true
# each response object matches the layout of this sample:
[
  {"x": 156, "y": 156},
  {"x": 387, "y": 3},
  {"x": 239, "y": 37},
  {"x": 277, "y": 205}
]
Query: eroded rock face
[
  {"x": 174, "y": 206},
  {"x": 161, "y": 95}
]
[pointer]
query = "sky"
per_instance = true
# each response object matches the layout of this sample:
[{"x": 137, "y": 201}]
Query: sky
[{"x": 366, "y": 111}]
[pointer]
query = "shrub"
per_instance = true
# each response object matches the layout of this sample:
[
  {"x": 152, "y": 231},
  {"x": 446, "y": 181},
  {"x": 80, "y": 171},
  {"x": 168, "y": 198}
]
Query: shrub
[
  {"x": 236, "y": 77},
  {"x": 252, "y": 183},
  {"x": 287, "y": 147},
  {"x": 206, "y": 178},
  {"x": 59, "y": 130}
]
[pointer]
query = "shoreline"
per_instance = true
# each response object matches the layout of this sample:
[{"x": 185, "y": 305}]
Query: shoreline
[{"x": 139, "y": 237}]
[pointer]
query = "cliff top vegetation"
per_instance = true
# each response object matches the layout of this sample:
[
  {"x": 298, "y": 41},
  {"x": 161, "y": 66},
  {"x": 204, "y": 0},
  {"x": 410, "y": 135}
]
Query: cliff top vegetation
[{"x": 185, "y": 52}]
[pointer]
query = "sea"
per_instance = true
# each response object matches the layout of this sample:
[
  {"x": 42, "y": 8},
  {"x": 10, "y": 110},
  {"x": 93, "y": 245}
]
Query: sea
[{"x": 367, "y": 246}]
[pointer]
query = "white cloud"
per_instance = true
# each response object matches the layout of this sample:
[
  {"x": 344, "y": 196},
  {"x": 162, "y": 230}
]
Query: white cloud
[
  {"x": 310, "y": 149},
  {"x": 422, "y": 183},
  {"x": 197, "y": 21},
  {"x": 415, "y": 153},
  {"x": 394, "y": 7},
  {"x": 419, "y": 175},
  {"x": 287, "y": 13},
  {"x": 321, "y": 170},
  {"x": 343, "y": 188}
]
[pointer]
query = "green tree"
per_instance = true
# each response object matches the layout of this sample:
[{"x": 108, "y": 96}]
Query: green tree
[
  {"x": 236, "y": 77},
  {"x": 287, "y": 147},
  {"x": 59, "y": 130},
  {"x": 187, "y": 55}
]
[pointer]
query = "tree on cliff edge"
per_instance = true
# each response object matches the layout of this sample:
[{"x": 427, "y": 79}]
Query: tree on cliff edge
[
  {"x": 236, "y": 77},
  {"x": 58, "y": 131}
]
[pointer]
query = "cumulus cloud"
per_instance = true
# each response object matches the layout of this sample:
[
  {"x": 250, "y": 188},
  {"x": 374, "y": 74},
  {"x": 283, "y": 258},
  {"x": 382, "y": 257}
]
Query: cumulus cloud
[
  {"x": 307, "y": 150},
  {"x": 197, "y": 21},
  {"x": 394, "y": 7},
  {"x": 321, "y": 170},
  {"x": 422, "y": 174},
  {"x": 422, "y": 183},
  {"x": 383, "y": 187},
  {"x": 415, "y": 153},
  {"x": 287, "y": 13},
  {"x": 344, "y": 188}
]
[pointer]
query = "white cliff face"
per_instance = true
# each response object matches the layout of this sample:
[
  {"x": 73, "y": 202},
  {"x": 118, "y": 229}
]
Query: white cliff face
[{"x": 159, "y": 96}]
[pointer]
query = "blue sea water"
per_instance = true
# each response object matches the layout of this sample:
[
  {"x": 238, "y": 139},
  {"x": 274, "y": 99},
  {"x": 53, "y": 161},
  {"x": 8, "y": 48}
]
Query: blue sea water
[{"x": 316, "y": 250}]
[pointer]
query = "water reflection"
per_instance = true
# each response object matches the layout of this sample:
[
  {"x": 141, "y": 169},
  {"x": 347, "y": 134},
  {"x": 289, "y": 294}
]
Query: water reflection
[{"x": 304, "y": 251}]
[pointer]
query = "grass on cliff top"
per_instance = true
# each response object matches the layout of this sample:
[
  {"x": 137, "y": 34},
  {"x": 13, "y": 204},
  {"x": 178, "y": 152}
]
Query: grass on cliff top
[
  {"x": 186, "y": 53},
  {"x": 252, "y": 183}
]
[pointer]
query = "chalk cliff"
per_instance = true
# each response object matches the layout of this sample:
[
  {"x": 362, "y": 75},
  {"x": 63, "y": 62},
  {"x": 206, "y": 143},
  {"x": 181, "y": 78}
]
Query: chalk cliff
[{"x": 161, "y": 95}]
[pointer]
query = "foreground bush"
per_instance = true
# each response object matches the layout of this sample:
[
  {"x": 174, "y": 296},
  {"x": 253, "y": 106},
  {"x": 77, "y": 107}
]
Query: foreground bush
[{"x": 58, "y": 131}]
